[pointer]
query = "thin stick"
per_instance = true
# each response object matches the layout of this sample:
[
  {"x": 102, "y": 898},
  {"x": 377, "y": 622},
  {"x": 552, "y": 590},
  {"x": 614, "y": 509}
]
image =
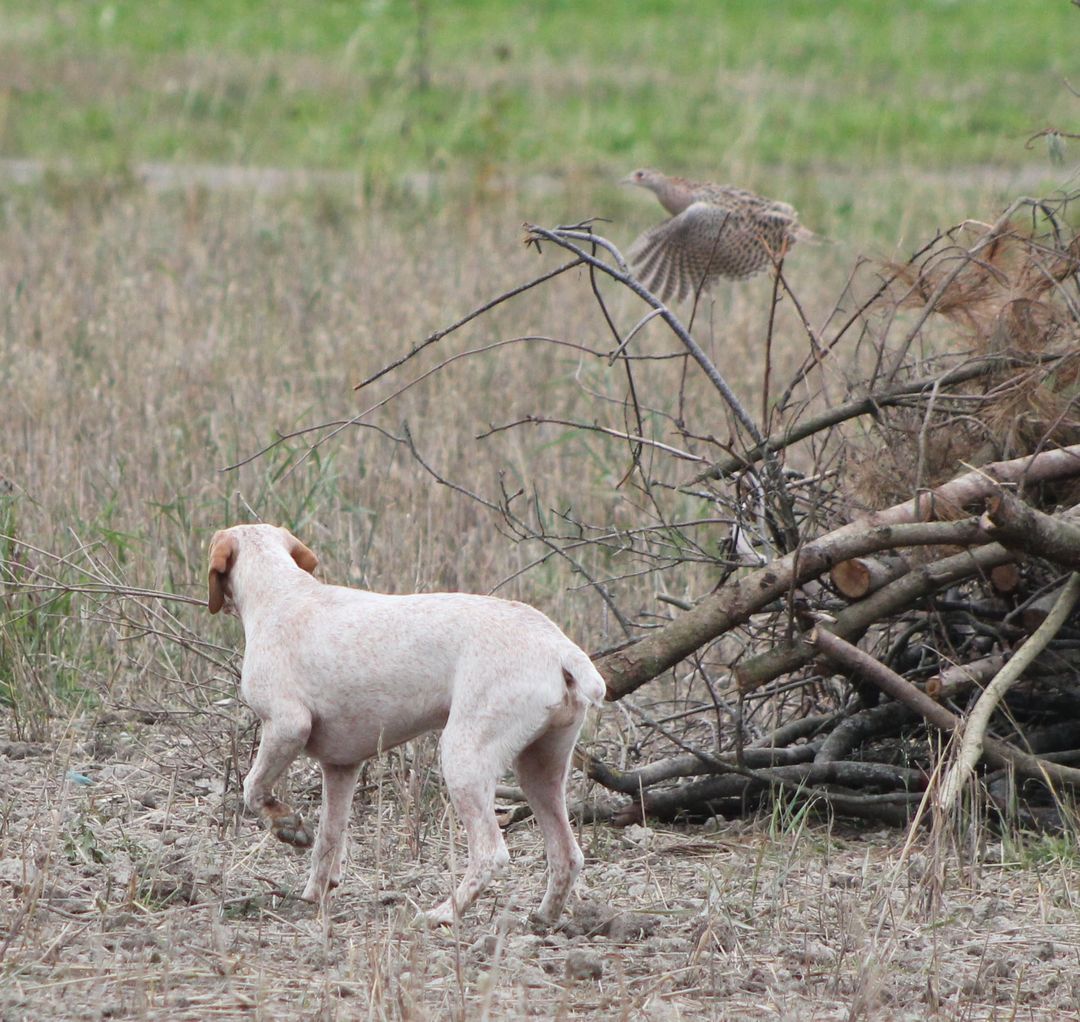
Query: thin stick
[
  {"x": 768, "y": 349},
  {"x": 635, "y": 439},
  {"x": 440, "y": 334}
]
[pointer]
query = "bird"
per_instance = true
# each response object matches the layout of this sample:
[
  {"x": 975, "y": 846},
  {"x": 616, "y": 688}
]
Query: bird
[{"x": 714, "y": 231}]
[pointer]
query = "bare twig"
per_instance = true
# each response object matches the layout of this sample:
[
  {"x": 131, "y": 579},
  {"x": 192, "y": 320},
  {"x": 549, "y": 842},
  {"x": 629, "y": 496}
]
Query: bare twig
[
  {"x": 486, "y": 307},
  {"x": 869, "y": 405}
]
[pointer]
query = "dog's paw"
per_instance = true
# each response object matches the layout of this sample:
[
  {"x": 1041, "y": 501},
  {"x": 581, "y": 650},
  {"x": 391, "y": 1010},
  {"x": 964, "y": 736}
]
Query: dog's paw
[
  {"x": 291, "y": 829},
  {"x": 441, "y": 916},
  {"x": 540, "y": 923}
]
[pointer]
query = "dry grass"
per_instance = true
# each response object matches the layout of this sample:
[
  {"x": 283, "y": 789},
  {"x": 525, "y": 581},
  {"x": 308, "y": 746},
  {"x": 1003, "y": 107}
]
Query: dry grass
[
  {"x": 155, "y": 339},
  {"x": 149, "y": 341}
]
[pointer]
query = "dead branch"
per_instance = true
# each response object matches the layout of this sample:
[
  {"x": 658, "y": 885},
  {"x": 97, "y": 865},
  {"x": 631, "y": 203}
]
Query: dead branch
[
  {"x": 568, "y": 237},
  {"x": 974, "y": 734},
  {"x": 849, "y": 734},
  {"x": 630, "y": 782},
  {"x": 988, "y": 239},
  {"x": 806, "y": 781},
  {"x": 997, "y": 753},
  {"x": 853, "y": 622},
  {"x": 869, "y": 405},
  {"x": 1019, "y": 526},
  {"x": 795, "y": 730}
]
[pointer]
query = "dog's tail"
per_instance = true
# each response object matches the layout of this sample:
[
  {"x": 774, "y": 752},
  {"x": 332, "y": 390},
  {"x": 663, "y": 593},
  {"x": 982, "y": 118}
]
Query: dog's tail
[{"x": 583, "y": 681}]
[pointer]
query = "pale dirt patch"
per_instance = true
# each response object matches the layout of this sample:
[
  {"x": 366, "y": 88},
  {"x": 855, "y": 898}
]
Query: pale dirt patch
[{"x": 143, "y": 894}]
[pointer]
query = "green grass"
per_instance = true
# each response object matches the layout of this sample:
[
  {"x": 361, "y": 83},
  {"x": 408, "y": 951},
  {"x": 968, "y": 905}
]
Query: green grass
[{"x": 387, "y": 87}]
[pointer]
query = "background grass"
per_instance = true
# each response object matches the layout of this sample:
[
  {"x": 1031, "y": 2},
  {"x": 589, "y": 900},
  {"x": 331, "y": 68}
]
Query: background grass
[
  {"x": 156, "y": 330},
  {"x": 554, "y": 87}
]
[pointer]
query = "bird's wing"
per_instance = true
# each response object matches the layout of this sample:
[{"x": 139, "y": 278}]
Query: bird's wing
[{"x": 705, "y": 241}]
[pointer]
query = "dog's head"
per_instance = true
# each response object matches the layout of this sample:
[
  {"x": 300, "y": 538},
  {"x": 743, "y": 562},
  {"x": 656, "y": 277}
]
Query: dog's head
[{"x": 225, "y": 548}]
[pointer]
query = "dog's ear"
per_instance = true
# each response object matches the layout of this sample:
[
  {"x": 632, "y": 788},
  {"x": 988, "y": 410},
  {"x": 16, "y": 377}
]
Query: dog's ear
[
  {"x": 304, "y": 556},
  {"x": 223, "y": 549}
]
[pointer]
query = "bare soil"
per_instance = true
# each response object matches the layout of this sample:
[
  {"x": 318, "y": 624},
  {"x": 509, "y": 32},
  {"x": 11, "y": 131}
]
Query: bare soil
[{"x": 131, "y": 887}]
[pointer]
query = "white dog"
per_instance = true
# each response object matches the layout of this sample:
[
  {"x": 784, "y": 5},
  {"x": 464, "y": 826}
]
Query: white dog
[{"x": 341, "y": 674}]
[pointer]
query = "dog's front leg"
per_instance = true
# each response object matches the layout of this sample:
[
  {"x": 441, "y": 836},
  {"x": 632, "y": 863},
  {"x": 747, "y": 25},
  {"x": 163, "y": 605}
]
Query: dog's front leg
[{"x": 284, "y": 736}]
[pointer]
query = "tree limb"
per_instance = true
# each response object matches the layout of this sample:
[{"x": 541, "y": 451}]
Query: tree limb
[
  {"x": 1018, "y": 525},
  {"x": 802, "y": 781},
  {"x": 893, "y": 685},
  {"x": 974, "y": 734},
  {"x": 851, "y": 623}
]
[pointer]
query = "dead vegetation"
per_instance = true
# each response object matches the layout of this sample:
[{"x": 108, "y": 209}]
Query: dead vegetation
[{"x": 132, "y": 886}]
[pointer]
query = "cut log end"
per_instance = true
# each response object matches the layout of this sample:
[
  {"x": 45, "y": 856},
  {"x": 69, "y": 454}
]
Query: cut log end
[
  {"x": 858, "y": 577},
  {"x": 1005, "y": 578}
]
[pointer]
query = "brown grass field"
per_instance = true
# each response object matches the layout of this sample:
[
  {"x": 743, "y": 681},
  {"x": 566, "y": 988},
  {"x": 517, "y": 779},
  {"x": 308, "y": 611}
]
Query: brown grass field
[{"x": 157, "y": 337}]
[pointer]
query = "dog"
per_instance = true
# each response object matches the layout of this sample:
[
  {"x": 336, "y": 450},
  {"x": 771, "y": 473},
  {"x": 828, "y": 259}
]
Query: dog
[{"x": 343, "y": 674}]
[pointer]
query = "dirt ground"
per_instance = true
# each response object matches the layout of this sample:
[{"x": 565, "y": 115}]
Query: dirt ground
[{"x": 131, "y": 888}]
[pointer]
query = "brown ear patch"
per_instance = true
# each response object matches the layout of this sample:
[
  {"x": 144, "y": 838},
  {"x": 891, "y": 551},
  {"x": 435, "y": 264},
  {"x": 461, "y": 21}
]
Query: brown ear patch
[
  {"x": 223, "y": 549},
  {"x": 304, "y": 556}
]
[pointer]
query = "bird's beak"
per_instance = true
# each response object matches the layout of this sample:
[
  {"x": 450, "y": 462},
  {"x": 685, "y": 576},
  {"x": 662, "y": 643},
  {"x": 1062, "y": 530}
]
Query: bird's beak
[{"x": 628, "y": 180}]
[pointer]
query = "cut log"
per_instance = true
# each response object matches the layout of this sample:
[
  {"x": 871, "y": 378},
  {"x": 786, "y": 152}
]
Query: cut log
[
  {"x": 1005, "y": 578},
  {"x": 860, "y": 576},
  {"x": 1035, "y": 613}
]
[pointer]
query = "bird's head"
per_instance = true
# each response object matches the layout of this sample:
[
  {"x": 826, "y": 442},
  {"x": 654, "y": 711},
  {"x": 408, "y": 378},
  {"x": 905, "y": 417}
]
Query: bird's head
[{"x": 643, "y": 177}]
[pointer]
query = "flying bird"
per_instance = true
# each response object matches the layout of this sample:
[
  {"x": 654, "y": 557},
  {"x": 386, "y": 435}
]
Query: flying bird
[{"x": 714, "y": 231}]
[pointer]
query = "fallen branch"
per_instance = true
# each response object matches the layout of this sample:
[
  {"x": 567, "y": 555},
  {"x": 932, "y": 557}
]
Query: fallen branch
[
  {"x": 1019, "y": 526},
  {"x": 568, "y": 238},
  {"x": 886, "y": 719},
  {"x": 803, "y": 781},
  {"x": 631, "y": 782},
  {"x": 892, "y": 684},
  {"x": 853, "y": 622},
  {"x": 974, "y": 735},
  {"x": 732, "y": 604}
]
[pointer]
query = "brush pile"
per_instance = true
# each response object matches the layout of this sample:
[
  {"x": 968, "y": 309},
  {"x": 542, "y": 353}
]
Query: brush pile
[
  {"x": 883, "y": 565},
  {"x": 936, "y": 532}
]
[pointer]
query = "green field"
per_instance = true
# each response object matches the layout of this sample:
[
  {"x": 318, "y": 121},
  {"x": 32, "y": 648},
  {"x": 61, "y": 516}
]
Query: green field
[{"x": 386, "y": 87}]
